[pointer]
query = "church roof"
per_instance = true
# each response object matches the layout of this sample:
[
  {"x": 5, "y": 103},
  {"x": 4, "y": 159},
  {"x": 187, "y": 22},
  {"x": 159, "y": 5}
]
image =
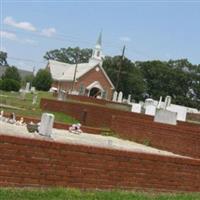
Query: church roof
[{"x": 65, "y": 72}]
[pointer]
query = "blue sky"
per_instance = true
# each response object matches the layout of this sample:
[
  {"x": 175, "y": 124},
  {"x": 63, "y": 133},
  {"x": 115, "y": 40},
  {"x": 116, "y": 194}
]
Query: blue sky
[{"x": 150, "y": 29}]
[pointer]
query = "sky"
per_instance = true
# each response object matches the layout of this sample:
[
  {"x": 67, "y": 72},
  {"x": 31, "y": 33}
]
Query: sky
[{"x": 151, "y": 30}]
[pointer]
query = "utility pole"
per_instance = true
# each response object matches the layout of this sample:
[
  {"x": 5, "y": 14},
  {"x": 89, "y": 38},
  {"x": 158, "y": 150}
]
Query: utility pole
[
  {"x": 75, "y": 70},
  {"x": 120, "y": 68}
]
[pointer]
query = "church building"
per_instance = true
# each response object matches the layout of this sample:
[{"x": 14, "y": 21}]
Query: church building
[{"x": 87, "y": 79}]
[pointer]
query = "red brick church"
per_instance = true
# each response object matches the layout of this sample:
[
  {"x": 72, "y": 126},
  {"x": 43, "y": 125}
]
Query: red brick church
[{"x": 90, "y": 78}]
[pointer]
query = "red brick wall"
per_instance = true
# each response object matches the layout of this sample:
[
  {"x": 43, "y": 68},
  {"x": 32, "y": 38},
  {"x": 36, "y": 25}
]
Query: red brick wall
[
  {"x": 182, "y": 139},
  {"x": 40, "y": 163},
  {"x": 97, "y": 116}
]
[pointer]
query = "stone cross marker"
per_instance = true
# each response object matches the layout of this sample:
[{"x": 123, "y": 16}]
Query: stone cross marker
[
  {"x": 46, "y": 124},
  {"x": 120, "y": 97},
  {"x": 115, "y": 96}
]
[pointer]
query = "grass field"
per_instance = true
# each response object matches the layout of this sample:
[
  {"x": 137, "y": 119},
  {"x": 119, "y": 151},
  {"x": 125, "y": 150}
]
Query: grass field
[
  {"x": 74, "y": 194},
  {"x": 26, "y": 108}
]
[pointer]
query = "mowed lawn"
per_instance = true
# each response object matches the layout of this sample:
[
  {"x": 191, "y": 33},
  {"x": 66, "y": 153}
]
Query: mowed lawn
[
  {"x": 74, "y": 194},
  {"x": 26, "y": 108}
]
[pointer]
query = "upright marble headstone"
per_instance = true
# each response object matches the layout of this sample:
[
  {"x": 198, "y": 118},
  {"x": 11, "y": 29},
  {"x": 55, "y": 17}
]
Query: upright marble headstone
[
  {"x": 120, "y": 97},
  {"x": 27, "y": 89},
  {"x": 168, "y": 100},
  {"x": 34, "y": 100},
  {"x": 159, "y": 103},
  {"x": 46, "y": 124},
  {"x": 115, "y": 96},
  {"x": 166, "y": 117},
  {"x": 129, "y": 98}
]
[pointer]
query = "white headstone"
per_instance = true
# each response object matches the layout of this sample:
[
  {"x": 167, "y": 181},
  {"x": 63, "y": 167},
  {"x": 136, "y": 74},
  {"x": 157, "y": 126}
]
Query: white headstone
[
  {"x": 165, "y": 116},
  {"x": 159, "y": 103},
  {"x": 115, "y": 96},
  {"x": 136, "y": 107},
  {"x": 168, "y": 100},
  {"x": 34, "y": 99},
  {"x": 27, "y": 89},
  {"x": 120, "y": 97},
  {"x": 150, "y": 110},
  {"x": 180, "y": 110},
  {"x": 33, "y": 89},
  {"x": 46, "y": 124},
  {"x": 129, "y": 98}
]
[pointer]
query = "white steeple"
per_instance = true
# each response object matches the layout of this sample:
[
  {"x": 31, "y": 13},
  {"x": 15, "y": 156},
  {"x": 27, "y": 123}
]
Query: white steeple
[{"x": 97, "y": 51}]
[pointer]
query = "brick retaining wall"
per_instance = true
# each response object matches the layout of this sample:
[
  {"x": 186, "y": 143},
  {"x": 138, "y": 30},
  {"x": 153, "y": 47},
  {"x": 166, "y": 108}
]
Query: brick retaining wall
[{"x": 40, "y": 163}]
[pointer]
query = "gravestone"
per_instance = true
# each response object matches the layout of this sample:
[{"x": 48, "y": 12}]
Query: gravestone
[
  {"x": 34, "y": 100},
  {"x": 22, "y": 94},
  {"x": 168, "y": 100},
  {"x": 165, "y": 117},
  {"x": 120, "y": 97},
  {"x": 150, "y": 110},
  {"x": 136, "y": 107},
  {"x": 32, "y": 89},
  {"x": 27, "y": 89},
  {"x": 46, "y": 124},
  {"x": 160, "y": 103},
  {"x": 115, "y": 96},
  {"x": 129, "y": 98}
]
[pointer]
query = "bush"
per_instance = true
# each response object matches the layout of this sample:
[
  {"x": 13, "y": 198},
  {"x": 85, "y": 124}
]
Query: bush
[
  {"x": 9, "y": 85},
  {"x": 12, "y": 73},
  {"x": 43, "y": 80}
]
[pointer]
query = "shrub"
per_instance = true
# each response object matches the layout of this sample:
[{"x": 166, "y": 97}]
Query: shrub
[
  {"x": 9, "y": 85},
  {"x": 43, "y": 80}
]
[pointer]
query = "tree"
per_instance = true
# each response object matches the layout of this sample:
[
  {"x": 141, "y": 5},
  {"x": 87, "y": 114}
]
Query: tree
[
  {"x": 130, "y": 80},
  {"x": 43, "y": 80},
  {"x": 69, "y": 55},
  {"x": 12, "y": 73},
  {"x": 3, "y": 58},
  {"x": 10, "y": 85}
]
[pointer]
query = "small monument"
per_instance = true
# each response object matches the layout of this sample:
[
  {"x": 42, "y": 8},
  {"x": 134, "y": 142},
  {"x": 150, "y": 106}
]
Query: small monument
[
  {"x": 46, "y": 124},
  {"x": 34, "y": 100},
  {"x": 27, "y": 89},
  {"x": 129, "y": 98},
  {"x": 115, "y": 96},
  {"x": 120, "y": 97}
]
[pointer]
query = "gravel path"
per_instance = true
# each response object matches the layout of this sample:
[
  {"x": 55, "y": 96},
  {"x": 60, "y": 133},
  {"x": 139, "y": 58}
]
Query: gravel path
[{"x": 65, "y": 136}]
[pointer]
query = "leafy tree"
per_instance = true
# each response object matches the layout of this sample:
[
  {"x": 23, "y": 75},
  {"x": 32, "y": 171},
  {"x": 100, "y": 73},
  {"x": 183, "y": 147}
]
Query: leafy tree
[
  {"x": 12, "y": 73},
  {"x": 69, "y": 55},
  {"x": 43, "y": 80},
  {"x": 10, "y": 85},
  {"x": 3, "y": 58},
  {"x": 130, "y": 78}
]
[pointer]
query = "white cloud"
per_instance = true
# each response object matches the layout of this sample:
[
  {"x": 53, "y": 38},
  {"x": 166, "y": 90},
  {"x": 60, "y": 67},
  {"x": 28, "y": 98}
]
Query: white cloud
[
  {"x": 49, "y": 32},
  {"x": 8, "y": 35},
  {"x": 21, "y": 25},
  {"x": 125, "y": 39}
]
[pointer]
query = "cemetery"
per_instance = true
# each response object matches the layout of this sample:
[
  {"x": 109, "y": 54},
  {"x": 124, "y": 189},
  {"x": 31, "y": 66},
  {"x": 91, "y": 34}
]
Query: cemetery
[{"x": 107, "y": 145}]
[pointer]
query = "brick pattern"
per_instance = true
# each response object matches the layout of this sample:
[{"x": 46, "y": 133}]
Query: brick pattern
[
  {"x": 183, "y": 139},
  {"x": 96, "y": 116},
  {"x": 41, "y": 163}
]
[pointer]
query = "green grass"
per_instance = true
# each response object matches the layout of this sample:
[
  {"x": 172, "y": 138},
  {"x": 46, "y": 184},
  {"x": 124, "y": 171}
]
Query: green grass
[
  {"x": 26, "y": 108},
  {"x": 74, "y": 194}
]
